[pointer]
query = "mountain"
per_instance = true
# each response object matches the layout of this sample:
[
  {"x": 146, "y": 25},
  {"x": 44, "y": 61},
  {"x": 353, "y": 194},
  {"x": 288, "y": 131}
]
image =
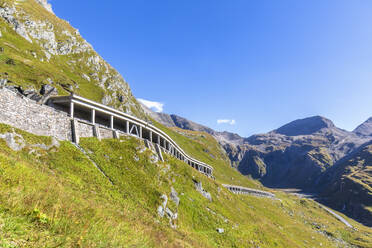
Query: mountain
[
  {"x": 296, "y": 154},
  {"x": 37, "y": 48},
  {"x": 305, "y": 126},
  {"x": 347, "y": 186},
  {"x": 116, "y": 192},
  {"x": 364, "y": 129},
  {"x": 310, "y": 154},
  {"x": 173, "y": 120}
]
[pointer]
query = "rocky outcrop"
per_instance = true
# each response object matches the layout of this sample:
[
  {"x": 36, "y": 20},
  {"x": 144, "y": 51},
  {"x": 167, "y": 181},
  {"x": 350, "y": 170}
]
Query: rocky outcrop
[
  {"x": 203, "y": 192},
  {"x": 63, "y": 48},
  {"x": 46, "y": 5},
  {"x": 8, "y": 14}
]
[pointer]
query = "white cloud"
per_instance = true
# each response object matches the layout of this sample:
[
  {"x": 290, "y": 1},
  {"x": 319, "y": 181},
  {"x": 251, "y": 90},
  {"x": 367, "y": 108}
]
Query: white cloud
[
  {"x": 226, "y": 121},
  {"x": 154, "y": 106}
]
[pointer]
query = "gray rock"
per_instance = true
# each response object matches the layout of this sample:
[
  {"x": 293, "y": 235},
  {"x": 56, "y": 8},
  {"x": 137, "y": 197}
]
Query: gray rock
[
  {"x": 174, "y": 196},
  {"x": 45, "y": 4},
  {"x": 161, "y": 208},
  {"x": 161, "y": 211},
  {"x": 14, "y": 141},
  {"x": 86, "y": 77},
  {"x": 220, "y": 230},
  {"x": 199, "y": 188},
  {"x": 33, "y": 95},
  {"x": 170, "y": 214},
  {"x": 14, "y": 89},
  {"x": 8, "y": 15},
  {"x": 165, "y": 200},
  {"x": 47, "y": 89},
  {"x": 3, "y": 82},
  {"x": 106, "y": 100}
]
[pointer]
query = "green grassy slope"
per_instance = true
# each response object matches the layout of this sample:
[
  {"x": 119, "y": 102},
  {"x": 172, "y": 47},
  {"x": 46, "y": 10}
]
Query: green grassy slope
[
  {"x": 206, "y": 149},
  {"x": 56, "y": 197}
]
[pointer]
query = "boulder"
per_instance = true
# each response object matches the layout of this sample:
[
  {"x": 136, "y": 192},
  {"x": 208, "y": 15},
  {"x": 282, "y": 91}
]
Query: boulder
[
  {"x": 33, "y": 95},
  {"x": 3, "y": 82},
  {"x": 47, "y": 89}
]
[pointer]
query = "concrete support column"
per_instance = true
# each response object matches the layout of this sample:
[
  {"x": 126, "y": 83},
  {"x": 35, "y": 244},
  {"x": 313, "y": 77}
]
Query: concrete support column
[
  {"x": 72, "y": 110},
  {"x": 96, "y": 132},
  {"x": 93, "y": 117},
  {"x": 115, "y": 134},
  {"x": 165, "y": 144},
  {"x": 112, "y": 122},
  {"x": 127, "y": 129},
  {"x": 150, "y": 136},
  {"x": 140, "y": 132},
  {"x": 74, "y": 132},
  {"x": 158, "y": 140}
]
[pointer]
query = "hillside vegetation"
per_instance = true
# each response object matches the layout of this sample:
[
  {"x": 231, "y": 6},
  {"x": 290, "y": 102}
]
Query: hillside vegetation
[
  {"x": 38, "y": 48},
  {"x": 53, "y": 195},
  {"x": 348, "y": 186}
]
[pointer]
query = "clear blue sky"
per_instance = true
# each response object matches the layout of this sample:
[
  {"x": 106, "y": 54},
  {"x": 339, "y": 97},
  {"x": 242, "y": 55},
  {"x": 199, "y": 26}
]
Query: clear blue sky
[{"x": 262, "y": 63}]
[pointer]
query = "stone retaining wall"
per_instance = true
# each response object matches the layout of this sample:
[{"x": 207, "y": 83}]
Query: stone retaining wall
[
  {"x": 84, "y": 130},
  {"x": 23, "y": 113},
  {"x": 105, "y": 133}
]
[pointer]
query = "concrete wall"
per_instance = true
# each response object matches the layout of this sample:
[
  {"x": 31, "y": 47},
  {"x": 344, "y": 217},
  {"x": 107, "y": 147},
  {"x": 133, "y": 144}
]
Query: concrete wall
[{"x": 26, "y": 114}]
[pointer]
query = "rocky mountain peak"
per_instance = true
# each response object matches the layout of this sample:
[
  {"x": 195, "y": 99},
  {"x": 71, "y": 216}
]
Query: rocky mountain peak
[
  {"x": 365, "y": 128},
  {"x": 46, "y": 5},
  {"x": 305, "y": 126}
]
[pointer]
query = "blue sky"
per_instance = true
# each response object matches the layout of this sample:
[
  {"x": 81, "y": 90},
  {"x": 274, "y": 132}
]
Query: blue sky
[{"x": 255, "y": 64}]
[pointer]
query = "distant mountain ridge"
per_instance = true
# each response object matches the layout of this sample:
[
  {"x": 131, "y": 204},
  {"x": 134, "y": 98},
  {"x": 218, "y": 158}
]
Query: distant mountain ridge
[
  {"x": 305, "y": 126},
  {"x": 173, "y": 120},
  {"x": 311, "y": 154}
]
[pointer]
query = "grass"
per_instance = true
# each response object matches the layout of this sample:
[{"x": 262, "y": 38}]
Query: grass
[
  {"x": 206, "y": 149},
  {"x": 59, "y": 198}
]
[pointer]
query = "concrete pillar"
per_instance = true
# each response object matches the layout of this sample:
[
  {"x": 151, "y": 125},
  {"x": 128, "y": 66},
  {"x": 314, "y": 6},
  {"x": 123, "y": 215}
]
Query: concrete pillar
[
  {"x": 112, "y": 122},
  {"x": 165, "y": 144},
  {"x": 115, "y": 134},
  {"x": 74, "y": 132},
  {"x": 93, "y": 118},
  {"x": 72, "y": 110},
  {"x": 96, "y": 132},
  {"x": 158, "y": 140},
  {"x": 150, "y": 136},
  {"x": 127, "y": 129},
  {"x": 140, "y": 132}
]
